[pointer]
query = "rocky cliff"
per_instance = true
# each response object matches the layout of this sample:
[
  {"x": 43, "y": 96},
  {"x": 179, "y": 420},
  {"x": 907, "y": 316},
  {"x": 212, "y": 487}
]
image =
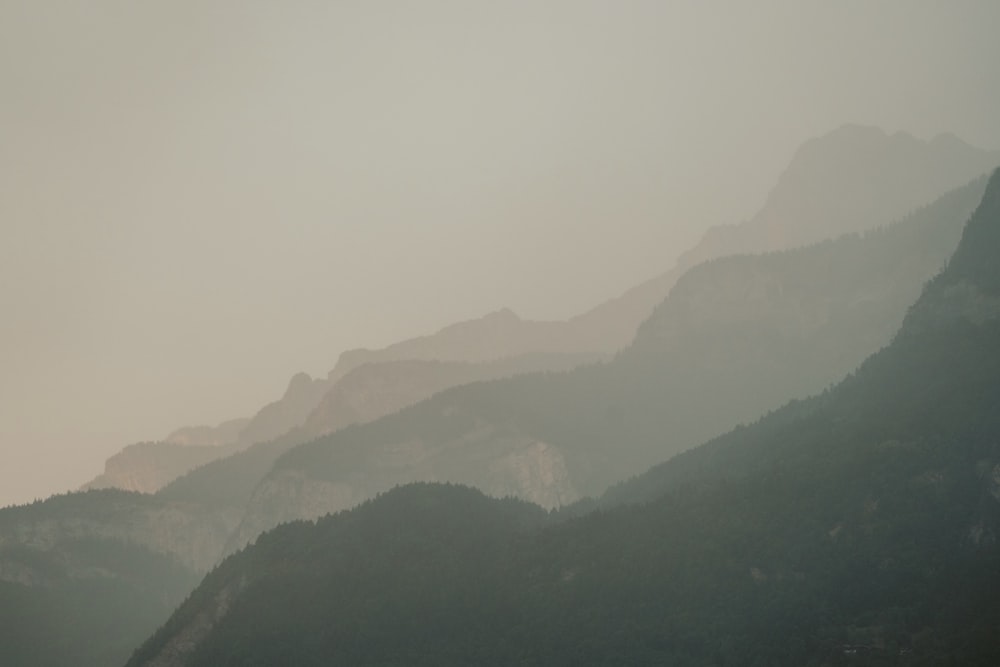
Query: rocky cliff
[{"x": 149, "y": 466}]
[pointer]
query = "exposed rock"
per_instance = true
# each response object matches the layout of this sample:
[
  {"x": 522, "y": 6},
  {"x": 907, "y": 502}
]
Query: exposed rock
[{"x": 148, "y": 466}]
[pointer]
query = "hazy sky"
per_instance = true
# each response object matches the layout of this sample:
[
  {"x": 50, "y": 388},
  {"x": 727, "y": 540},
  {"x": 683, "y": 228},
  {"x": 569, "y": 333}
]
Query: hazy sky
[{"x": 199, "y": 198}]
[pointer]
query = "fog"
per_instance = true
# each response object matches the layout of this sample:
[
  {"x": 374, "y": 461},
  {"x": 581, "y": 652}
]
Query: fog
[{"x": 198, "y": 199}]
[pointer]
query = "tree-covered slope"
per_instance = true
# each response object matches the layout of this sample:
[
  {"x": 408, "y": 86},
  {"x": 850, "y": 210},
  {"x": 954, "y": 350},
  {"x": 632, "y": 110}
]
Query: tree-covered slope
[
  {"x": 85, "y": 576},
  {"x": 858, "y": 527}
]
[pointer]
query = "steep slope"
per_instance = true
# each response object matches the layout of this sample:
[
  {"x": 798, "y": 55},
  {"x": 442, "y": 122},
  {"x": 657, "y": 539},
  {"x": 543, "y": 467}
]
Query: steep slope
[
  {"x": 737, "y": 336},
  {"x": 857, "y": 527},
  {"x": 275, "y": 419},
  {"x": 148, "y": 466},
  {"x": 946, "y": 334}
]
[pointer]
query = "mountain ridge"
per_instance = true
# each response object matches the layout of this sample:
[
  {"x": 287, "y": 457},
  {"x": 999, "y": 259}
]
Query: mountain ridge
[
  {"x": 521, "y": 436},
  {"x": 855, "y": 527},
  {"x": 859, "y": 156}
]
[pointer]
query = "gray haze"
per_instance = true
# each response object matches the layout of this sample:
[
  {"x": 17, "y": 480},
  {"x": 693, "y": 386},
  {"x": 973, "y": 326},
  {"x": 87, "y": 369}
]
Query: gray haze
[{"x": 198, "y": 199}]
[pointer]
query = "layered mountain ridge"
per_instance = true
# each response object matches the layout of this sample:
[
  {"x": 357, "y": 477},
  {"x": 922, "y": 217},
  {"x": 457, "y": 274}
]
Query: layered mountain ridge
[
  {"x": 736, "y": 337},
  {"x": 859, "y": 526},
  {"x": 560, "y": 434},
  {"x": 852, "y": 179}
]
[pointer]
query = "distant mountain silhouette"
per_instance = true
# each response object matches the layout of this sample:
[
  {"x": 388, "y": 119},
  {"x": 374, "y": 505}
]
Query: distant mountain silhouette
[
  {"x": 550, "y": 437},
  {"x": 852, "y": 179},
  {"x": 737, "y": 336},
  {"x": 860, "y": 526}
]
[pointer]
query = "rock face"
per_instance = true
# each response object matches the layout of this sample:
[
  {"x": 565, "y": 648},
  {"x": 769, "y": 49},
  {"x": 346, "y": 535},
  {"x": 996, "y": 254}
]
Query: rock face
[{"x": 149, "y": 466}]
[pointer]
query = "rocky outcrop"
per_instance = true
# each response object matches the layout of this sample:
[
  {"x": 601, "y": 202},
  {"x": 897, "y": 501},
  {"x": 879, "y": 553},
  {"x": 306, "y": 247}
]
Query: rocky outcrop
[{"x": 149, "y": 466}]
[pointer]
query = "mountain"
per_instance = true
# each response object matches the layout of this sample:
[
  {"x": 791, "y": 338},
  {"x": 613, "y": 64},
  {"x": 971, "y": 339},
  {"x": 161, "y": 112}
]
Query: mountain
[
  {"x": 208, "y": 436},
  {"x": 851, "y": 179},
  {"x": 859, "y": 526},
  {"x": 148, "y": 466},
  {"x": 85, "y": 576},
  {"x": 530, "y": 427},
  {"x": 363, "y": 394},
  {"x": 308, "y": 409},
  {"x": 737, "y": 336},
  {"x": 360, "y": 388},
  {"x": 376, "y": 389}
]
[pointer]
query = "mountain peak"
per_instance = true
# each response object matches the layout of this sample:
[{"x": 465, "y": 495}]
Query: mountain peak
[
  {"x": 504, "y": 314},
  {"x": 851, "y": 179},
  {"x": 299, "y": 384}
]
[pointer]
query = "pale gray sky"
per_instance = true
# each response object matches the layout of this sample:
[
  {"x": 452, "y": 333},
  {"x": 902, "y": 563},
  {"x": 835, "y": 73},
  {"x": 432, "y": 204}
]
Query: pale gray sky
[{"x": 199, "y": 198}]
